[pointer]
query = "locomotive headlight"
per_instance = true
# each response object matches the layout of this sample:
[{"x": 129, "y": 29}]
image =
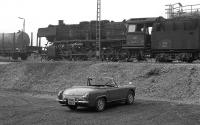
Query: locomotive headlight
[{"x": 17, "y": 49}]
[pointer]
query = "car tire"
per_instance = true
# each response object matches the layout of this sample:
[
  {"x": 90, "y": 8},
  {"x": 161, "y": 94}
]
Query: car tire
[
  {"x": 100, "y": 104},
  {"x": 72, "y": 107},
  {"x": 130, "y": 98}
]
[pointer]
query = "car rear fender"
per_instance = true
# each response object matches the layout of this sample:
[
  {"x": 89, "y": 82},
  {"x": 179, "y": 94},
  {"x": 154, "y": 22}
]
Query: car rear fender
[
  {"x": 96, "y": 95},
  {"x": 133, "y": 90}
]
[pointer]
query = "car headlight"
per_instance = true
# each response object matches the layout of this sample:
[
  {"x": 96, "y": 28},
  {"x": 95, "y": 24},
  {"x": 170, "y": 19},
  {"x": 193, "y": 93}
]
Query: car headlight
[
  {"x": 60, "y": 94},
  {"x": 85, "y": 97}
]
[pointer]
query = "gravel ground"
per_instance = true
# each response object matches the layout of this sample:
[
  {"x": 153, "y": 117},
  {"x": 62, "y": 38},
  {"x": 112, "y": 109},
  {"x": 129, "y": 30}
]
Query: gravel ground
[{"x": 20, "y": 109}]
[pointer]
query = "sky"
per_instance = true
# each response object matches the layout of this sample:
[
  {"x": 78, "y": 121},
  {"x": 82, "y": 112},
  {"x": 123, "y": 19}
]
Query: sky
[{"x": 41, "y": 13}]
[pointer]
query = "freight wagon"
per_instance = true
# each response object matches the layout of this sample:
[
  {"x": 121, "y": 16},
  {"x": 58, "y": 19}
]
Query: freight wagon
[{"x": 16, "y": 45}]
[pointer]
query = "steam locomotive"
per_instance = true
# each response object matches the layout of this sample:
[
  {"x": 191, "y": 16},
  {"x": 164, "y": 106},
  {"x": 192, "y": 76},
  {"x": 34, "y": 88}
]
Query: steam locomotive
[
  {"x": 175, "y": 38},
  {"x": 78, "y": 41}
]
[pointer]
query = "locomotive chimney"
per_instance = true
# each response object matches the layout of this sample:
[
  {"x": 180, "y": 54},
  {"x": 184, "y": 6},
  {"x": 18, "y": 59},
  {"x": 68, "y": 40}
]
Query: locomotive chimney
[{"x": 60, "y": 22}]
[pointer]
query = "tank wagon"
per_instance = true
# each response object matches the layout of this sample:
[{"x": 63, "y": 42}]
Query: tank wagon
[{"x": 16, "y": 45}]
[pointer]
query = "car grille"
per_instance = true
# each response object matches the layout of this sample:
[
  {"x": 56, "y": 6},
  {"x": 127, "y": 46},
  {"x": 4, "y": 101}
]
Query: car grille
[{"x": 77, "y": 98}]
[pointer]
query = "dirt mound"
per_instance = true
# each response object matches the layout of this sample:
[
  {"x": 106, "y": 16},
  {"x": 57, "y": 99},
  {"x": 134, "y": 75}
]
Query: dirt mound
[
  {"x": 164, "y": 81},
  {"x": 49, "y": 77}
]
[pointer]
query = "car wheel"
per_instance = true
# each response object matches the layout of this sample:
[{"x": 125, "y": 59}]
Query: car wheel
[
  {"x": 130, "y": 98},
  {"x": 100, "y": 104},
  {"x": 72, "y": 107}
]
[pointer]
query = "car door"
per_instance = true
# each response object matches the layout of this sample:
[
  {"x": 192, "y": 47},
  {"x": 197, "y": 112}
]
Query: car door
[{"x": 115, "y": 93}]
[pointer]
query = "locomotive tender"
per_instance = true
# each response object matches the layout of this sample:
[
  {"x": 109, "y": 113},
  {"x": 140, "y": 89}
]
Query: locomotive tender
[
  {"x": 178, "y": 37},
  {"x": 175, "y": 38}
]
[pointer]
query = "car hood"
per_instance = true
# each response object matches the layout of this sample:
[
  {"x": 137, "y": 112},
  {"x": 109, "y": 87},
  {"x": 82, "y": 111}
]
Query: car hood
[{"x": 78, "y": 91}]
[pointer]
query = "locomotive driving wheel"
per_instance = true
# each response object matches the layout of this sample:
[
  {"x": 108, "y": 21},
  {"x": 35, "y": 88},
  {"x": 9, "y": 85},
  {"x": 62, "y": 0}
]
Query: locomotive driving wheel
[{"x": 24, "y": 56}]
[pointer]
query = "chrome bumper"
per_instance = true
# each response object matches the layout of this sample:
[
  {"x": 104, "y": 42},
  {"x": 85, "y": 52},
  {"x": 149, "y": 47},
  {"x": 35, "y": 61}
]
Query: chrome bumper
[
  {"x": 63, "y": 101},
  {"x": 83, "y": 102}
]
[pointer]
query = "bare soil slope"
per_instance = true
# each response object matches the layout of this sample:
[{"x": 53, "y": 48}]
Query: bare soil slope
[{"x": 179, "y": 82}]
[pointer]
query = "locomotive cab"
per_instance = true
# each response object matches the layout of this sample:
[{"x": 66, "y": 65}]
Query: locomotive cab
[{"x": 138, "y": 37}]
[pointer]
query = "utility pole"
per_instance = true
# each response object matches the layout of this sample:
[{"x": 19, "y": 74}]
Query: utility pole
[{"x": 98, "y": 30}]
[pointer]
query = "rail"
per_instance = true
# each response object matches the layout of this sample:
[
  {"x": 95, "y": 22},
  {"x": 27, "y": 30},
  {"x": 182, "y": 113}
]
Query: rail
[{"x": 177, "y": 9}]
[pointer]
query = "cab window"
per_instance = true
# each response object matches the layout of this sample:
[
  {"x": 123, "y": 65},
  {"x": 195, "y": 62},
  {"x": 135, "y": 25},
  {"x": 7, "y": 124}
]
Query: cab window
[{"x": 131, "y": 28}]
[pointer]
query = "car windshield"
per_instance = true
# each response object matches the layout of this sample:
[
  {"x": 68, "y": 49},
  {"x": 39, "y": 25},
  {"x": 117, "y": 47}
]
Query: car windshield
[{"x": 102, "y": 81}]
